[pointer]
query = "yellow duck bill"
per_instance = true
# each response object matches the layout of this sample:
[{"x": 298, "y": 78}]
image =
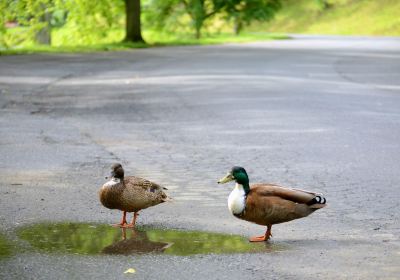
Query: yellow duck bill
[{"x": 229, "y": 177}]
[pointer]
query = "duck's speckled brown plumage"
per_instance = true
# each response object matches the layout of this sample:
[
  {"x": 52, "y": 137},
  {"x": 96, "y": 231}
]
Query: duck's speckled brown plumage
[
  {"x": 268, "y": 204},
  {"x": 132, "y": 194}
]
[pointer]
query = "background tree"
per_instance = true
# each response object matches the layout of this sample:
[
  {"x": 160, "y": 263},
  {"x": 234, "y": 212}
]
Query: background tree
[
  {"x": 33, "y": 16},
  {"x": 241, "y": 11},
  {"x": 245, "y": 11},
  {"x": 85, "y": 22},
  {"x": 198, "y": 11},
  {"x": 88, "y": 22},
  {"x": 201, "y": 10},
  {"x": 43, "y": 34},
  {"x": 133, "y": 27},
  {"x": 324, "y": 4},
  {"x": 92, "y": 19}
]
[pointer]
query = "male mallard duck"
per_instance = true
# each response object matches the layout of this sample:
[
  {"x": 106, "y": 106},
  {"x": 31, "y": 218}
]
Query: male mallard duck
[
  {"x": 130, "y": 194},
  {"x": 268, "y": 204}
]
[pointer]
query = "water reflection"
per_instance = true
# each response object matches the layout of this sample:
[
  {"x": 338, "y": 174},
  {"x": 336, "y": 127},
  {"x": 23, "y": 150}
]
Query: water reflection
[
  {"x": 136, "y": 243},
  {"x": 93, "y": 239},
  {"x": 5, "y": 247}
]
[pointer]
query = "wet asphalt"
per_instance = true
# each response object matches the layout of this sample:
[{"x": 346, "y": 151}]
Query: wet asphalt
[{"x": 315, "y": 112}]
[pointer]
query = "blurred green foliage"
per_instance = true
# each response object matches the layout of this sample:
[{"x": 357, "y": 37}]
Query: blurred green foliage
[
  {"x": 245, "y": 12},
  {"x": 81, "y": 22},
  {"x": 90, "y": 21},
  {"x": 195, "y": 13},
  {"x": 25, "y": 13},
  {"x": 58, "y": 18},
  {"x": 84, "y": 22},
  {"x": 338, "y": 17}
]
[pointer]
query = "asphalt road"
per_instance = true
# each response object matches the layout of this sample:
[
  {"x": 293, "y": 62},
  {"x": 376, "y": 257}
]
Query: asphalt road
[{"x": 318, "y": 113}]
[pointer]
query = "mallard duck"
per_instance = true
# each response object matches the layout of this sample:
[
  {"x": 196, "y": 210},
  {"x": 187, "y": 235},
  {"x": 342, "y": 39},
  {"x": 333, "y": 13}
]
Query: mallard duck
[
  {"x": 130, "y": 194},
  {"x": 268, "y": 204}
]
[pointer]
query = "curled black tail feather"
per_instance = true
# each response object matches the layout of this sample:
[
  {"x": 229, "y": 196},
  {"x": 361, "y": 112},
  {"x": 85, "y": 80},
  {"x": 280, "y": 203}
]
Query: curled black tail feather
[{"x": 317, "y": 200}]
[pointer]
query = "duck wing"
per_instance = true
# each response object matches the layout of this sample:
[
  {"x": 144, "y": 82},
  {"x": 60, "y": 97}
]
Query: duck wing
[
  {"x": 294, "y": 195},
  {"x": 143, "y": 184},
  {"x": 269, "y": 204}
]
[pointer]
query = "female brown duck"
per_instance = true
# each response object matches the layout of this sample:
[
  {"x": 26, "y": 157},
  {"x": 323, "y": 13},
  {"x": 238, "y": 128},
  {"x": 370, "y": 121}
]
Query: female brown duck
[
  {"x": 268, "y": 204},
  {"x": 130, "y": 194}
]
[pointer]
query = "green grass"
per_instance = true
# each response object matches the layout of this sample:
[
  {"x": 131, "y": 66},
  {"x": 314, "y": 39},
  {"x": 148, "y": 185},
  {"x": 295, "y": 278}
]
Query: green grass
[
  {"x": 163, "y": 39},
  {"x": 342, "y": 17},
  {"x": 113, "y": 42},
  {"x": 72, "y": 49}
]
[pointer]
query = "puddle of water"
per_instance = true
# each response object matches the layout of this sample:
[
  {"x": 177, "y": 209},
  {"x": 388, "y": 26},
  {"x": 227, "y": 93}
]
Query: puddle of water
[
  {"x": 5, "y": 247},
  {"x": 91, "y": 239}
]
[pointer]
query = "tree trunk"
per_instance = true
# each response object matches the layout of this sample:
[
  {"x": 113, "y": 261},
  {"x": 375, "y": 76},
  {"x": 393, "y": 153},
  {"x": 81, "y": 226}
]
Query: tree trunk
[
  {"x": 43, "y": 36},
  {"x": 238, "y": 25},
  {"x": 198, "y": 14},
  {"x": 198, "y": 32},
  {"x": 198, "y": 24},
  {"x": 133, "y": 26}
]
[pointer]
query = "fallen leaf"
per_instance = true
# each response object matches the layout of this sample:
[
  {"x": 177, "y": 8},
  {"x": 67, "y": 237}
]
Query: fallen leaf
[{"x": 130, "y": 270}]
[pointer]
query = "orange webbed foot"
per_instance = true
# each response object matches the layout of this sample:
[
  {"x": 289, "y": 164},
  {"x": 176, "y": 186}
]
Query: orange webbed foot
[
  {"x": 130, "y": 225},
  {"x": 265, "y": 237},
  {"x": 133, "y": 223},
  {"x": 259, "y": 238},
  {"x": 120, "y": 225},
  {"x": 123, "y": 222}
]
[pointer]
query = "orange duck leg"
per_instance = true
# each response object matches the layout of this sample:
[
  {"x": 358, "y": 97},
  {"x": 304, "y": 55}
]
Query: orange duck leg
[
  {"x": 264, "y": 237},
  {"x": 123, "y": 222},
  {"x": 133, "y": 223}
]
